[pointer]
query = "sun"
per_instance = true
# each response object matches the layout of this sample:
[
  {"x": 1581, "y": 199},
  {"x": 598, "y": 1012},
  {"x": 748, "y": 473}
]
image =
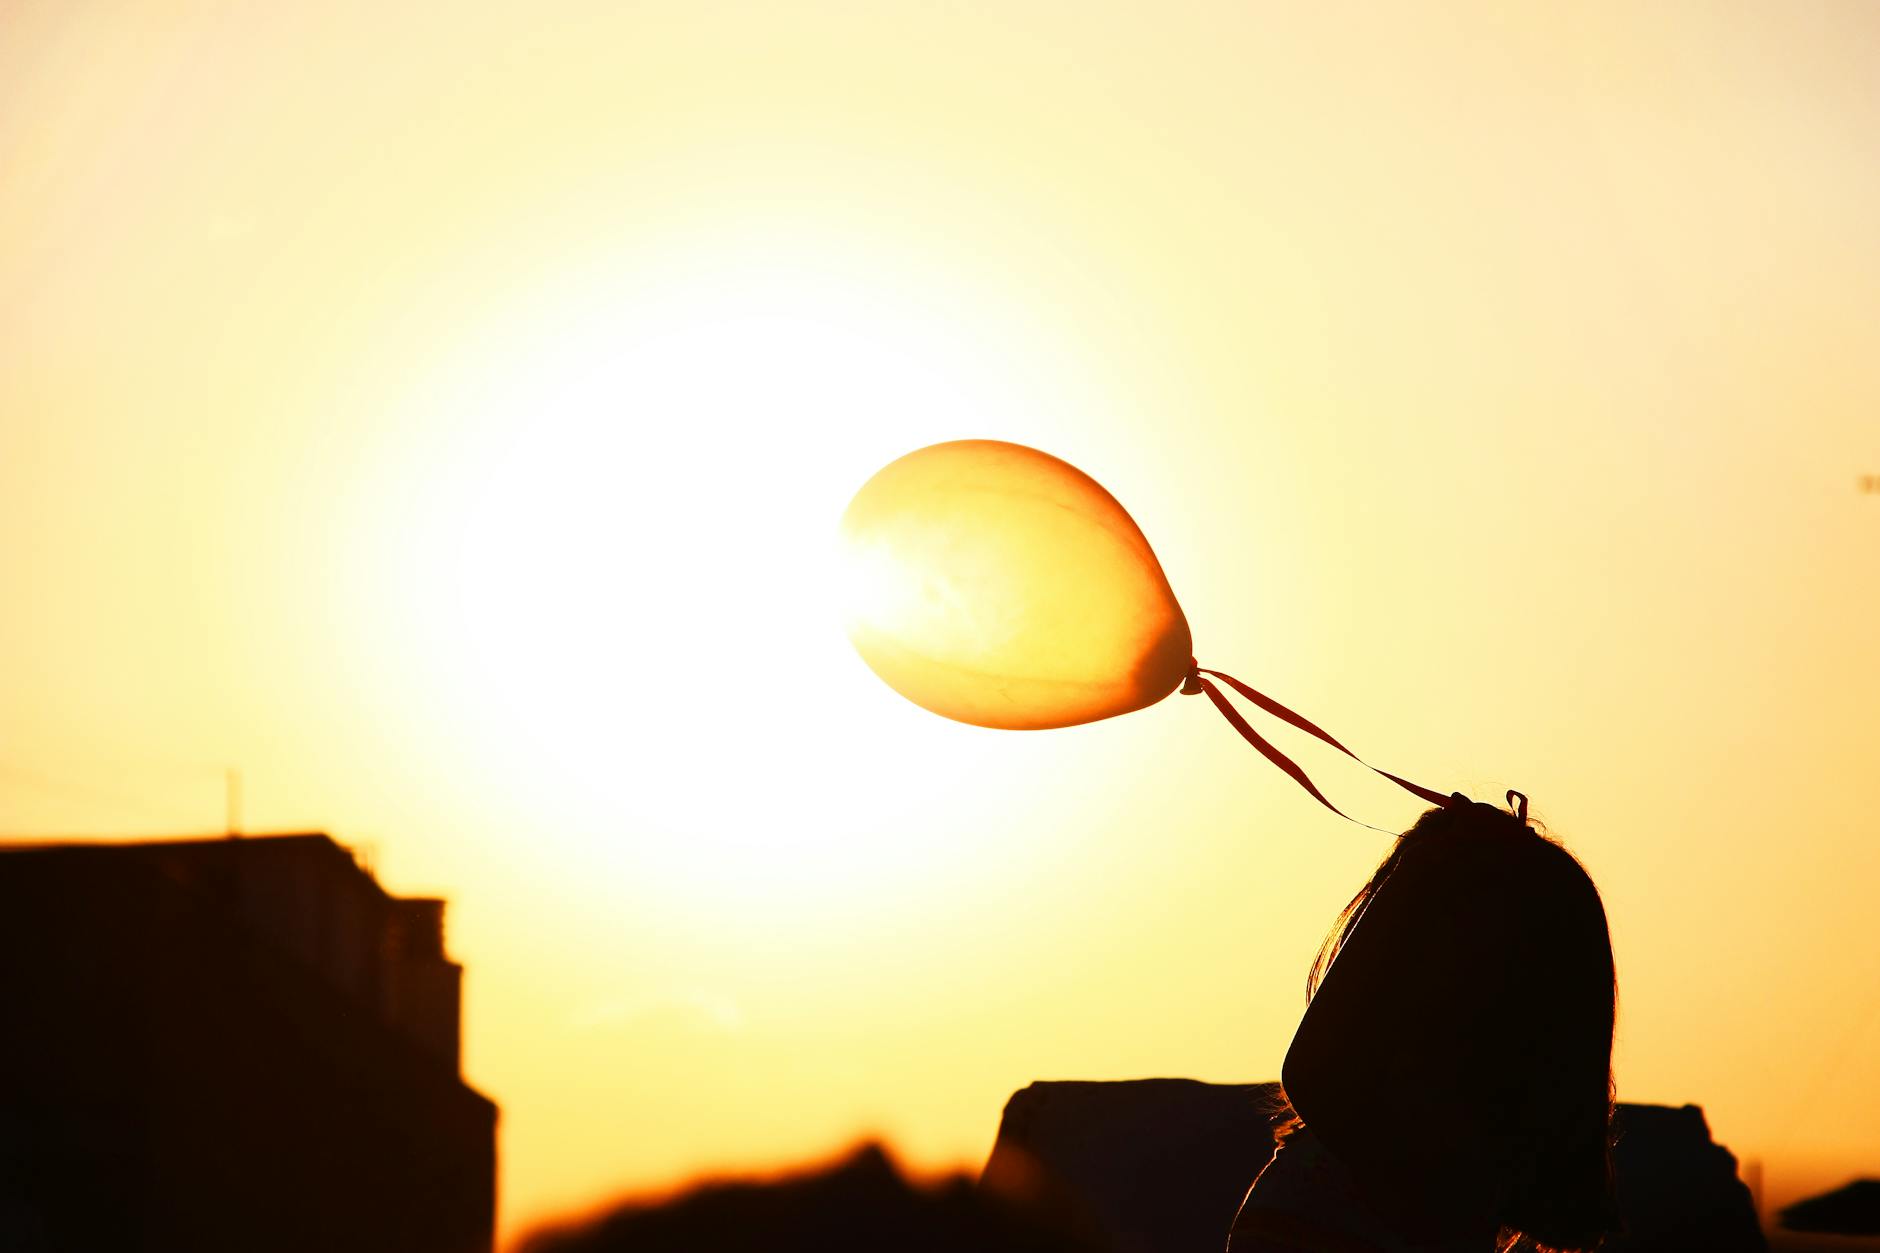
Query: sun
[{"x": 615, "y": 565}]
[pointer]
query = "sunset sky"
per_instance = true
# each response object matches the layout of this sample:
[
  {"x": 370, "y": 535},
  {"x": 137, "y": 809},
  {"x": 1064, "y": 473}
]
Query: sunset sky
[{"x": 442, "y": 414}]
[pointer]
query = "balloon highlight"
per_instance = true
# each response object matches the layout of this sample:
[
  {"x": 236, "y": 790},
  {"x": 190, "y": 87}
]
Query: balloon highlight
[{"x": 996, "y": 585}]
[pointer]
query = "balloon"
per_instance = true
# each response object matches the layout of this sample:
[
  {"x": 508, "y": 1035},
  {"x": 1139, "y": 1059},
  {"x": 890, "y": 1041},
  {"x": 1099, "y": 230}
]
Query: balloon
[{"x": 994, "y": 584}]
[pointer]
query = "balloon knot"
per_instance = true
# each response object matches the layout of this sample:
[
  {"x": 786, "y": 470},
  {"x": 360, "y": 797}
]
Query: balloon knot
[{"x": 1191, "y": 682}]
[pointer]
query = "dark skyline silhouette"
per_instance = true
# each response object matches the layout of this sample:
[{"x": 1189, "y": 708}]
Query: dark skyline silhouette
[
  {"x": 247, "y": 1043},
  {"x": 1853, "y": 1209},
  {"x": 1160, "y": 1165},
  {"x": 231, "y": 1044}
]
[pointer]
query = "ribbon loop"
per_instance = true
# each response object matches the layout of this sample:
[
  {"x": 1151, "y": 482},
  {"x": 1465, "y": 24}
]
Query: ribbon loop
[{"x": 1194, "y": 684}]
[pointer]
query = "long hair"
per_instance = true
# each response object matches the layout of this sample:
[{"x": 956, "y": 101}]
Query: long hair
[{"x": 1527, "y": 932}]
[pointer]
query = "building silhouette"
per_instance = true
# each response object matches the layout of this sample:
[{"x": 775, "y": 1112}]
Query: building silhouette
[
  {"x": 1161, "y": 1165},
  {"x": 231, "y": 1044},
  {"x": 1853, "y": 1209}
]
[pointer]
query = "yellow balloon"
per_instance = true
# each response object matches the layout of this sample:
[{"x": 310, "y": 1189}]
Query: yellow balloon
[{"x": 996, "y": 585}]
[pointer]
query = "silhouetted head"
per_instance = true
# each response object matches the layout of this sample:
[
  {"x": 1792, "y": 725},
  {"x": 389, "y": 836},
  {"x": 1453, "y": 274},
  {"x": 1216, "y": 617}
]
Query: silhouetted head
[{"x": 1478, "y": 954}]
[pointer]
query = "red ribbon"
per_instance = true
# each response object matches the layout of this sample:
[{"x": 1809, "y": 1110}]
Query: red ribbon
[{"x": 1197, "y": 684}]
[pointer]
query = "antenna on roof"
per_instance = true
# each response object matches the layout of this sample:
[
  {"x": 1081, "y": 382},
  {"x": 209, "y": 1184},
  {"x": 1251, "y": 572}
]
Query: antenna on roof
[{"x": 233, "y": 778}]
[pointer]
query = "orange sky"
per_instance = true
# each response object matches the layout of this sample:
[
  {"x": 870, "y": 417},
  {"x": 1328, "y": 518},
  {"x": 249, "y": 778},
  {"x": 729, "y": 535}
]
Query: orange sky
[{"x": 442, "y": 413}]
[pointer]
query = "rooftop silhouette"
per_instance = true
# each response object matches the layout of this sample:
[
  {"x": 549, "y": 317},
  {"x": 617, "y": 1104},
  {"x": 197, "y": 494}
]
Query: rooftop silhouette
[
  {"x": 231, "y": 1043},
  {"x": 1160, "y": 1166},
  {"x": 1853, "y": 1209}
]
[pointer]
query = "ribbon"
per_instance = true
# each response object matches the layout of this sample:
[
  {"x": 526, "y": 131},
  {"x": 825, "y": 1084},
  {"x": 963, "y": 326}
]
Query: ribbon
[{"x": 1196, "y": 685}]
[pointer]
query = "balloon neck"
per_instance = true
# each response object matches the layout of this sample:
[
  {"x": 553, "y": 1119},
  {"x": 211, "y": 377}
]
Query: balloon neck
[{"x": 1191, "y": 683}]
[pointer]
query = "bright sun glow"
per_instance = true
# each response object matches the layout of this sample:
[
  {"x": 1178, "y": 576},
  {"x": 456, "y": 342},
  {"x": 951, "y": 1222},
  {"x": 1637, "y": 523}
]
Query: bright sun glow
[{"x": 632, "y": 487}]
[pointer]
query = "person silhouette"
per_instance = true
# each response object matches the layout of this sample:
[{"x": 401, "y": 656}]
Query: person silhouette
[{"x": 1451, "y": 1079}]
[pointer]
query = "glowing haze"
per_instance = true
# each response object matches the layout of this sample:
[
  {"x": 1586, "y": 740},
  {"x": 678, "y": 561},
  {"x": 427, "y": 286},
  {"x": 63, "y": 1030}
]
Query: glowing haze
[{"x": 442, "y": 413}]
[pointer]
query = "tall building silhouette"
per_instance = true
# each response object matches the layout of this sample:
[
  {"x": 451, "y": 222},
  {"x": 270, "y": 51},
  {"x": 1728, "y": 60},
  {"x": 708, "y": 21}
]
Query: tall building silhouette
[{"x": 231, "y": 1044}]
